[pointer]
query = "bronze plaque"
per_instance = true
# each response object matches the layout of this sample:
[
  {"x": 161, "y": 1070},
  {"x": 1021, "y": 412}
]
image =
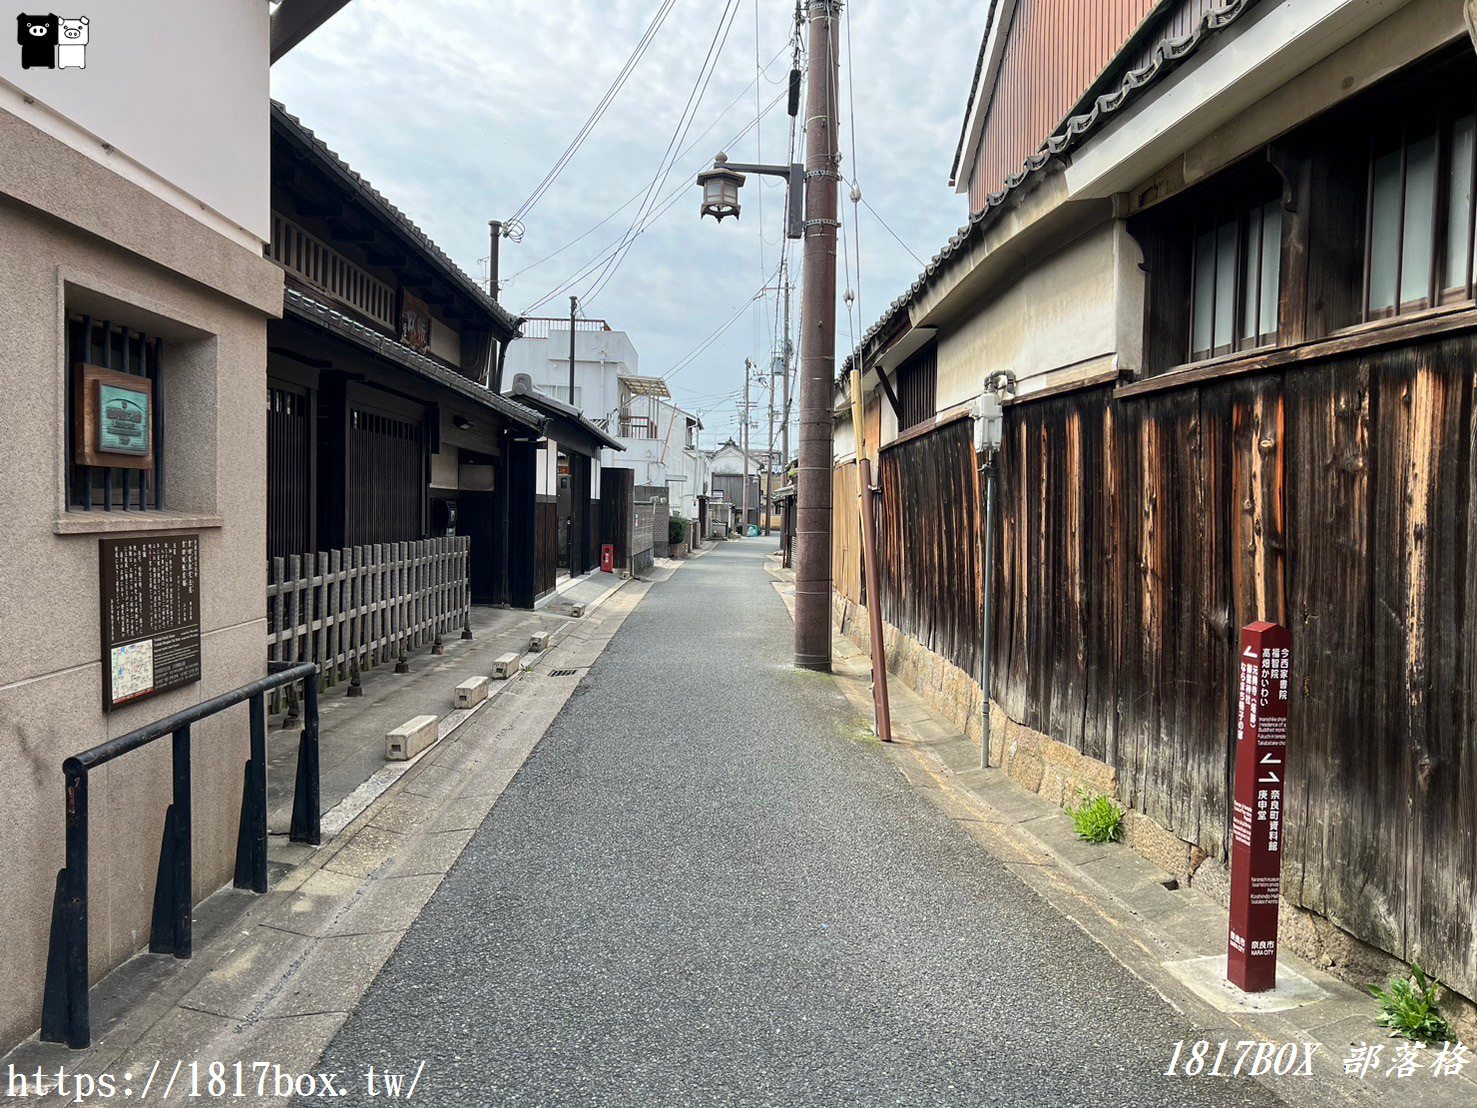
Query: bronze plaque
[
  {"x": 150, "y": 616},
  {"x": 114, "y": 418}
]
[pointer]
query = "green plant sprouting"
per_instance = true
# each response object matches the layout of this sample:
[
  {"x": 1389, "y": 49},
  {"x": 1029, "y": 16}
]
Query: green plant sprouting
[
  {"x": 1408, "y": 1007},
  {"x": 1097, "y": 818}
]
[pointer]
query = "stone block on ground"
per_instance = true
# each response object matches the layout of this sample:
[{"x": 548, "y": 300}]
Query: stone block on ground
[
  {"x": 471, "y": 692},
  {"x": 539, "y": 641},
  {"x": 505, "y": 666},
  {"x": 410, "y": 738}
]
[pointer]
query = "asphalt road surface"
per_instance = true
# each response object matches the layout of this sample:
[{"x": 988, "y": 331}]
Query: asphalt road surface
[{"x": 706, "y": 888}]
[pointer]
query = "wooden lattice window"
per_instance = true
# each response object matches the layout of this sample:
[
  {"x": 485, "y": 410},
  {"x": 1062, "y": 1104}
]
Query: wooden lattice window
[
  {"x": 917, "y": 388},
  {"x": 1418, "y": 244},
  {"x": 1236, "y": 276}
]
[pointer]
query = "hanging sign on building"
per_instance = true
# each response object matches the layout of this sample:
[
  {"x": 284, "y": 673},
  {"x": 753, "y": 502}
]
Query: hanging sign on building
[
  {"x": 150, "y": 616},
  {"x": 1256, "y": 817},
  {"x": 115, "y": 419},
  {"x": 415, "y": 323}
]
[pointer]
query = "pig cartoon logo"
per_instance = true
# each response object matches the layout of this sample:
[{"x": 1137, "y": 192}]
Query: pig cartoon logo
[
  {"x": 38, "y": 37},
  {"x": 52, "y": 42},
  {"x": 71, "y": 46}
]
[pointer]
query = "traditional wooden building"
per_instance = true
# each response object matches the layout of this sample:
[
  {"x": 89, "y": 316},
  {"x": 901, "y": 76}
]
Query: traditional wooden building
[
  {"x": 577, "y": 504},
  {"x": 381, "y": 428},
  {"x": 1227, "y": 294}
]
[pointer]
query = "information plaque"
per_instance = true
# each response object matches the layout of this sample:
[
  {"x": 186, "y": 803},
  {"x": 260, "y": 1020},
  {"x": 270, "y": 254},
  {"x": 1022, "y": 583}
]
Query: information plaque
[
  {"x": 150, "y": 591},
  {"x": 1256, "y": 815}
]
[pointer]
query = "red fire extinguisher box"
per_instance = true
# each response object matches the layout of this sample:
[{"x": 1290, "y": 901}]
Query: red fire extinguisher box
[{"x": 607, "y": 558}]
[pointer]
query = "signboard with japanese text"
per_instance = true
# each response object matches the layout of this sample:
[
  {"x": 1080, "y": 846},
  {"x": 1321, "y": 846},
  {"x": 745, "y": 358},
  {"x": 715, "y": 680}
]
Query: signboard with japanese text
[
  {"x": 1256, "y": 817},
  {"x": 150, "y": 608}
]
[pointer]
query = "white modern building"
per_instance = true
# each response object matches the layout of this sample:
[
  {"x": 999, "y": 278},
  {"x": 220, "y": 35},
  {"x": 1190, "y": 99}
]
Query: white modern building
[{"x": 661, "y": 440}]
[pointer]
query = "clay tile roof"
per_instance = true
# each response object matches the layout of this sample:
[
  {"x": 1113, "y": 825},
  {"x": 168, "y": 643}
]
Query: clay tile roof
[
  {"x": 394, "y": 215},
  {"x": 1166, "y": 56}
]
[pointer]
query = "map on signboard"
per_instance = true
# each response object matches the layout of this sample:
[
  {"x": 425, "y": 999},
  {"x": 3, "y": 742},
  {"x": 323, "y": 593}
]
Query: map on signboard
[
  {"x": 133, "y": 670},
  {"x": 150, "y": 615}
]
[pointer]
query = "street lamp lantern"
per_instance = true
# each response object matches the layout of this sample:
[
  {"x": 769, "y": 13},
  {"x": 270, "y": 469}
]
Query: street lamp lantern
[
  {"x": 720, "y": 187},
  {"x": 721, "y": 184}
]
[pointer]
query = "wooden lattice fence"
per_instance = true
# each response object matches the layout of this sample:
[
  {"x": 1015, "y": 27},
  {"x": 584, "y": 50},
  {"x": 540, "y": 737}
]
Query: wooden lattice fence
[{"x": 353, "y": 609}]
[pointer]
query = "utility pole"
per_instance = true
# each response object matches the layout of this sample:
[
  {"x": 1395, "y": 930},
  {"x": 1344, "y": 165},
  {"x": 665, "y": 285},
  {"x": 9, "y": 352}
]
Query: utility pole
[
  {"x": 769, "y": 454},
  {"x": 818, "y": 344},
  {"x": 574, "y": 302},
  {"x": 786, "y": 352},
  {"x": 744, "y": 421},
  {"x": 495, "y": 230}
]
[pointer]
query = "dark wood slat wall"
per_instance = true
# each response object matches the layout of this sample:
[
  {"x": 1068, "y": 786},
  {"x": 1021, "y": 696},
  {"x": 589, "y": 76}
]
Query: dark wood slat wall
[
  {"x": 928, "y": 541},
  {"x": 290, "y": 526},
  {"x": 386, "y": 479},
  {"x": 1140, "y": 535},
  {"x": 617, "y": 511},
  {"x": 545, "y": 546}
]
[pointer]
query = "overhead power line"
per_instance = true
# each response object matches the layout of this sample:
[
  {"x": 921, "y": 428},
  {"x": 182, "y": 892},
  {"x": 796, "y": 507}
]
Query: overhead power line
[
  {"x": 615, "y": 246},
  {"x": 637, "y": 194},
  {"x": 679, "y": 135},
  {"x": 637, "y": 53}
]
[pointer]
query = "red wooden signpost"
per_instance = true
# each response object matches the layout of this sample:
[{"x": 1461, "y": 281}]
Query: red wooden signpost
[{"x": 1256, "y": 819}]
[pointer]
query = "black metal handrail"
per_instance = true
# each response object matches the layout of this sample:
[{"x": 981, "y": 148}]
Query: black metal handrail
[{"x": 65, "y": 1010}]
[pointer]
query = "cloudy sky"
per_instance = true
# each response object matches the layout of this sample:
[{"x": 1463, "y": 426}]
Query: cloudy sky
[{"x": 457, "y": 109}]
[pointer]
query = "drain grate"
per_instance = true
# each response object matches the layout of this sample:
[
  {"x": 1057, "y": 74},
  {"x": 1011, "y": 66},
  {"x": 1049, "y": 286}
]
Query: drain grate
[{"x": 562, "y": 672}]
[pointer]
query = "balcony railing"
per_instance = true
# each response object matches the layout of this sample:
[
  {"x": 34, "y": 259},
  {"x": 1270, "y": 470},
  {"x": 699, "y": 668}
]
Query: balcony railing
[
  {"x": 538, "y": 327},
  {"x": 637, "y": 427},
  {"x": 312, "y": 260}
]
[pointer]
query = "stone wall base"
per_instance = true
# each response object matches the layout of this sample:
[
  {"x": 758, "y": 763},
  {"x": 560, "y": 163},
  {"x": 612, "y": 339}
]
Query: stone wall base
[{"x": 1061, "y": 773}]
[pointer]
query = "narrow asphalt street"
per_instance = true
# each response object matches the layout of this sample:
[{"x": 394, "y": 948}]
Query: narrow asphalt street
[{"x": 707, "y": 886}]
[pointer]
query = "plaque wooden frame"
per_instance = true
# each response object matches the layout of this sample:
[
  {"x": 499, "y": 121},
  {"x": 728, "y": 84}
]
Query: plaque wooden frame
[{"x": 87, "y": 411}]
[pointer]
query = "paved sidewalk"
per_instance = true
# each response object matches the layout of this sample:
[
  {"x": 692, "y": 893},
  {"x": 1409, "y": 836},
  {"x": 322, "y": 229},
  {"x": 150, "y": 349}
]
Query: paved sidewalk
[
  {"x": 708, "y": 888},
  {"x": 352, "y": 729},
  {"x": 273, "y": 977},
  {"x": 1171, "y": 937}
]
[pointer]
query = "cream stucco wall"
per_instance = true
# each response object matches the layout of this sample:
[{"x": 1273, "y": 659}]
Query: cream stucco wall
[
  {"x": 210, "y": 304},
  {"x": 1074, "y": 315}
]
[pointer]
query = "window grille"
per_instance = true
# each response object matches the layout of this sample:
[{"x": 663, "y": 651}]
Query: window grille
[
  {"x": 122, "y": 350},
  {"x": 917, "y": 388}
]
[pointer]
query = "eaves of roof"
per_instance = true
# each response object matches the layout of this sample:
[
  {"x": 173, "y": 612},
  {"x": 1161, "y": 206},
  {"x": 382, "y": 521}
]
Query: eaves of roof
[
  {"x": 556, "y": 410},
  {"x": 295, "y": 304},
  {"x": 505, "y": 320},
  {"x": 1168, "y": 55},
  {"x": 974, "y": 90}
]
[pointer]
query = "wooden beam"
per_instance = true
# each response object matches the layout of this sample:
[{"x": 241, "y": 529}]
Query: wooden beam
[
  {"x": 897, "y": 409},
  {"x": 295, "y": 20}
]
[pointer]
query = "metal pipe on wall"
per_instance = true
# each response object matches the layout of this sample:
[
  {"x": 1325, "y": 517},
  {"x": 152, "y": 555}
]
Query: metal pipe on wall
[
  {"x": 987, "y": 612},
  {"x": 574, "y": 302}
]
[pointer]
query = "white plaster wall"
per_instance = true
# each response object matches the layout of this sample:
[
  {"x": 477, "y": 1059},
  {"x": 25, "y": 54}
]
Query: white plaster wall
[
  {"x": 445, "y": 342},
  {"x": 174, "y": 96},
  {"x": 548, "y": 469},
  {"x": 1066, "y": 317}
]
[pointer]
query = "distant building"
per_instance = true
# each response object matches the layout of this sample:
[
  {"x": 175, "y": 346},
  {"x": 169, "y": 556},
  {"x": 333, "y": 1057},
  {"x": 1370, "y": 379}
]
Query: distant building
[{"x": 660, "y": 440}]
